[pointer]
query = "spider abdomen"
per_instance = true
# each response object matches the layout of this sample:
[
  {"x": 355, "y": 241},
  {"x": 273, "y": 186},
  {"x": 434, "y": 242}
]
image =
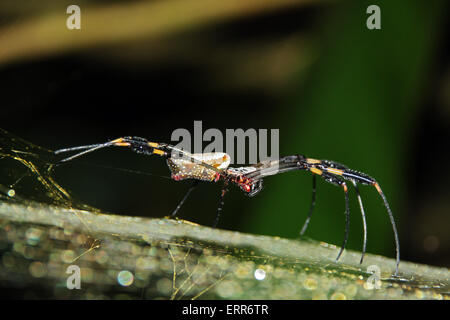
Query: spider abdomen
[{"x": 182, "y": 168}]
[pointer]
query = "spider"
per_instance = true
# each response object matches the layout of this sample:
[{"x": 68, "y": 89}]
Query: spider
[{"x": 214, "y": 167}]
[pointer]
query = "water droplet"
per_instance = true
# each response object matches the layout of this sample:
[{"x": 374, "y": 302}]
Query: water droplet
[
  {"x": 125, "y": 278},
  {"x": 260, "y": 274}
]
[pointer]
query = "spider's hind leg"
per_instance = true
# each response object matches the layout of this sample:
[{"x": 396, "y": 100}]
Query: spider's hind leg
[
  {"x": 192, "y": 187},
  {"x": 221, "y": 203}
]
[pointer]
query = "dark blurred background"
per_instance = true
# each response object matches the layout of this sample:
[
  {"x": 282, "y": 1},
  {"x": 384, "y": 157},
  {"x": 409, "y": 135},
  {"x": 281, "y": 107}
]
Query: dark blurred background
[{"x": 375, "y": 100}]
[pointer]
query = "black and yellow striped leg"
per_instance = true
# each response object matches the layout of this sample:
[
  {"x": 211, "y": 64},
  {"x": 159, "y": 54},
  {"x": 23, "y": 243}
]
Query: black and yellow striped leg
[
  {"x": 192, "y": 187},
  {"x": 221, "y": 203},
  {"x": 311, "y": 208},
  {"x": 363, "y": 214},
  {"x": 330, "y": 175},
  {"x": 136, "y": 144}
]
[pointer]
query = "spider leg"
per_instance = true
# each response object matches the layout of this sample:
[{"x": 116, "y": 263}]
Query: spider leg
[
  {"x": 394, "y": 228},
  {"x": 339, "y": 182},
  {"x": 363, "y": 218},
  {"x": 142, "y": 146},
  {"x": 346, "y": 173},
  {"x": 311, "y": 208},
  {"x": 327, "y": 169},
  {"x": 136, "y": 144},
  {"x": 332, "y": 172},
  {"x": 221, "y": 203},
  {"x": 347, "y": 215},
  {"x": 87, "y": 149},
  {"x": 192, "y": 187}
]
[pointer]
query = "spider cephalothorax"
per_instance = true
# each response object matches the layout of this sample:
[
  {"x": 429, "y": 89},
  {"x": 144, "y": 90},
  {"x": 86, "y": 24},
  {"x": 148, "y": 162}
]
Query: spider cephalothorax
[{"x": 250, "y": 186}]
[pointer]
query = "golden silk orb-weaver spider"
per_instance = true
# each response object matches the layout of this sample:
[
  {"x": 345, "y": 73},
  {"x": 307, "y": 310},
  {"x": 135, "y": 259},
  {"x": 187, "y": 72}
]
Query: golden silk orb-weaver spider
[{"x": 214, "y": 167}]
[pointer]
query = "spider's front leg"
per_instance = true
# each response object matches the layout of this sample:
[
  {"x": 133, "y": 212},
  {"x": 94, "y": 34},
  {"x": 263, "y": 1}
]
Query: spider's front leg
[
  {"x": 339, "y": 172},
  {"x": 311, "y": 208},
  {"x": 334, "y": 172},
  {"x": 339, "y": 182}
]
